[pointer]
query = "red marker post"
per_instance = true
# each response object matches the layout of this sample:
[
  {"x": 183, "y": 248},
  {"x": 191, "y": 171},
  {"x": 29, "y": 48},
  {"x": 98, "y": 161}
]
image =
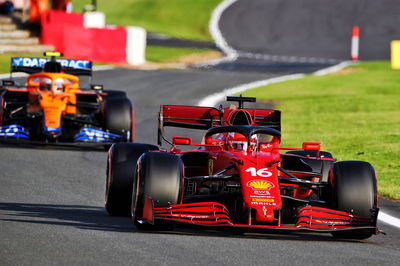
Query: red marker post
[{"x": 355, "y": 43}]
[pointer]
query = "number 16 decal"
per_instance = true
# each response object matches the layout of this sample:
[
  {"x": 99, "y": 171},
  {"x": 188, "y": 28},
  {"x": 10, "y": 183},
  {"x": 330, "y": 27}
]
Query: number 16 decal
[{"x": 263, "y": 172}]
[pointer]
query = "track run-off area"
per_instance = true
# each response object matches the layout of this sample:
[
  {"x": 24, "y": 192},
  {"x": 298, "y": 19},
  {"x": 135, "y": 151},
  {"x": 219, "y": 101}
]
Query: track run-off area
[{"x": 52, "y": 201}]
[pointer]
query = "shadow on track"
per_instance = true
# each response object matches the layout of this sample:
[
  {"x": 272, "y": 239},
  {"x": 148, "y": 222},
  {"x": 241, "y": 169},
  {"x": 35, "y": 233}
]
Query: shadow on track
[
  {"x": 299, "y": 236},
  {"x": 79, "y": 216},
  {"x": 96, "y": 218}
]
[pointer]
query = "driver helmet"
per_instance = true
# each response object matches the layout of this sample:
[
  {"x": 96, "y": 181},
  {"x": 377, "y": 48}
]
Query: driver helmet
[
  {"x": 253, "y": 142},
  {"x": 237, "y": 142},
  {"x": 58, "y": 85},
  {"x": 45, "y": 84}
]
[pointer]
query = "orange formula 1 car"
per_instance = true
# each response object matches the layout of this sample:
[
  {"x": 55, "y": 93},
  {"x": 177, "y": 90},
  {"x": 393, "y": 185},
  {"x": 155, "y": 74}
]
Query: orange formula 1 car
[{"x": 52, "y": 108}]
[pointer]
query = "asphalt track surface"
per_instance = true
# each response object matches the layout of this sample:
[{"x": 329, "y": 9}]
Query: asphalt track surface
[
  {"x": 291, "y": 36},
  {"x": 51, "y": 207},
  {"x": 51, "y": 201},
  {"x": 312, "y": 28}
]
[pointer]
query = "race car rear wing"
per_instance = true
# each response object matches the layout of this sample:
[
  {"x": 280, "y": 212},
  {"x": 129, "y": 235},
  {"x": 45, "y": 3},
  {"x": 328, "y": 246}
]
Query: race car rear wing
[
  {"x": 197, "y": 117},
  {"x": 32, "y": 65}
]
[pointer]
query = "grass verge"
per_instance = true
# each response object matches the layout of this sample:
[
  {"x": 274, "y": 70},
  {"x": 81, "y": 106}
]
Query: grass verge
[
  {"x": 187, "y": 19},
  {"x": 355, "y": 113},
  {"x": 5, "y": 61},
  {"x": 165, "y": 54}
]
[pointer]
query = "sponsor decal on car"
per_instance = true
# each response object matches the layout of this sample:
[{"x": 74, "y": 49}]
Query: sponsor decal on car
[
  {"x": 194, "y": 216},
  {"x": 260, "y": 187},
  {"x": 39, "y": 62},
  {"x": 210, "y": 166},
  {"x": 264, "y": 203},
  {"x": 262, "y": 200},
  {"x": 260, "y": 184},
  {"x": 262, "y": 196}
]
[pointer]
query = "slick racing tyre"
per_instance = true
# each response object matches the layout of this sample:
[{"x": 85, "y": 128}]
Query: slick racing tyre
[
  {"x": 355, "y": 191},
  {"x": 118, "y": 117},
  {"x": 121, "y": 164},
  {"x": 160, "y": 177}
]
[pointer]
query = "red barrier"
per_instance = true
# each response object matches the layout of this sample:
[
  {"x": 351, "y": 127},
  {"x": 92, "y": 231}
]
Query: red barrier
[
  {"x": 109, "y": 44},
  {"x": 53, "y": 23},
  {"x": 101, "y": 45},
  {"x": 66, "y": 33}
]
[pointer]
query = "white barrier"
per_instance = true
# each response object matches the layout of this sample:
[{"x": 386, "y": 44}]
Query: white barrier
[
  {"x": 94, "y": 20},
  {"x": 135, "y": 37},
  {"x": 135, "y": 45}
]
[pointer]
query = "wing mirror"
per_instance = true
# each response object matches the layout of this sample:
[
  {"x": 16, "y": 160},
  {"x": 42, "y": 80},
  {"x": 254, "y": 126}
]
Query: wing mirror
[
  {"x": 98, "y": 88},
  {"x": 182, "y": 140},
  {"x": 311, "y": 146},
  {"x": 8, "y": 83}
]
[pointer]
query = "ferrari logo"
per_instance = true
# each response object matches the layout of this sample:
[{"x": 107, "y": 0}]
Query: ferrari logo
[
  {"x": 264, "y": 209},
  {"x": 210, "y": 166}
]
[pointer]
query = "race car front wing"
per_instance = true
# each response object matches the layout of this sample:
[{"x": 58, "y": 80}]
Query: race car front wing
[
  {"x": 85, "y": 138},
  {"x": 213, "y": 214}
]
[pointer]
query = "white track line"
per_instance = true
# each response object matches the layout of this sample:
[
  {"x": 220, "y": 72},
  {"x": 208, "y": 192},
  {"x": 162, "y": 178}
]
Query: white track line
[
  {"x": 213, "y": 99},
  {"x": 285, "y": 58},
  {"x": 335, "y": 68},
  {"x": 388, "y": 219},
  {"x": 231, "y": 54}
]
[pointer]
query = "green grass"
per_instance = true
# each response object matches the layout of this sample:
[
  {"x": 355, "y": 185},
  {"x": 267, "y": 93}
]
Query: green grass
[
  {"x": 354, "y": 113},
  {"x": 186, "y": 19},
  {"x": 5, "y": 61},
  {"x": 166, "y": 54}
]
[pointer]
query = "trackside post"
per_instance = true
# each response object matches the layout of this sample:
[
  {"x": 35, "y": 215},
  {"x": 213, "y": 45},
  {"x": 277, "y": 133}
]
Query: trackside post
[{"x": 355, "y": 43}]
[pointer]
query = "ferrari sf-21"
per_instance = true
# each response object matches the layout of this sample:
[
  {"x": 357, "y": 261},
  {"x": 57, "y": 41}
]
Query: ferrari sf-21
[
  {"x": 53, "y": 109},
  {"x": 239, "y": 177}
]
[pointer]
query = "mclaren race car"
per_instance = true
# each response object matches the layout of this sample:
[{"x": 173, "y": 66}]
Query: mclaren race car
[
  {"x": 240, "y": 177},
  {"x": 52, "y": 108}
]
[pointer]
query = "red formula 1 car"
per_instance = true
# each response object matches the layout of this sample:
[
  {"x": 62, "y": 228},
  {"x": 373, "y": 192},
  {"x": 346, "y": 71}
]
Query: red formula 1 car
[
  {"x": 239, "y": 177},
  {"x": 52, "y": 108}
]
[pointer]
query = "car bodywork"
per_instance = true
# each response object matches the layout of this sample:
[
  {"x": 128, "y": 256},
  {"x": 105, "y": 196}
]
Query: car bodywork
[
  {"x": 53, "y": 109},
  {"x": 240, "y": 177}
]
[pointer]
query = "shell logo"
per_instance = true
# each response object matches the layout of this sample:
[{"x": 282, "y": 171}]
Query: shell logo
[{"x": 260, "y": 184}]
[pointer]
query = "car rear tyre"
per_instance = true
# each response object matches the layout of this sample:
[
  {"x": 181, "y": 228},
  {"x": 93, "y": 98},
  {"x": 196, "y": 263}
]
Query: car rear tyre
[
  {"x": 118, "y": 117},
  {"x": 355, "y": 191},
  {"x": 159, "y": 176},
  {"x": 121, "y": 164}
]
